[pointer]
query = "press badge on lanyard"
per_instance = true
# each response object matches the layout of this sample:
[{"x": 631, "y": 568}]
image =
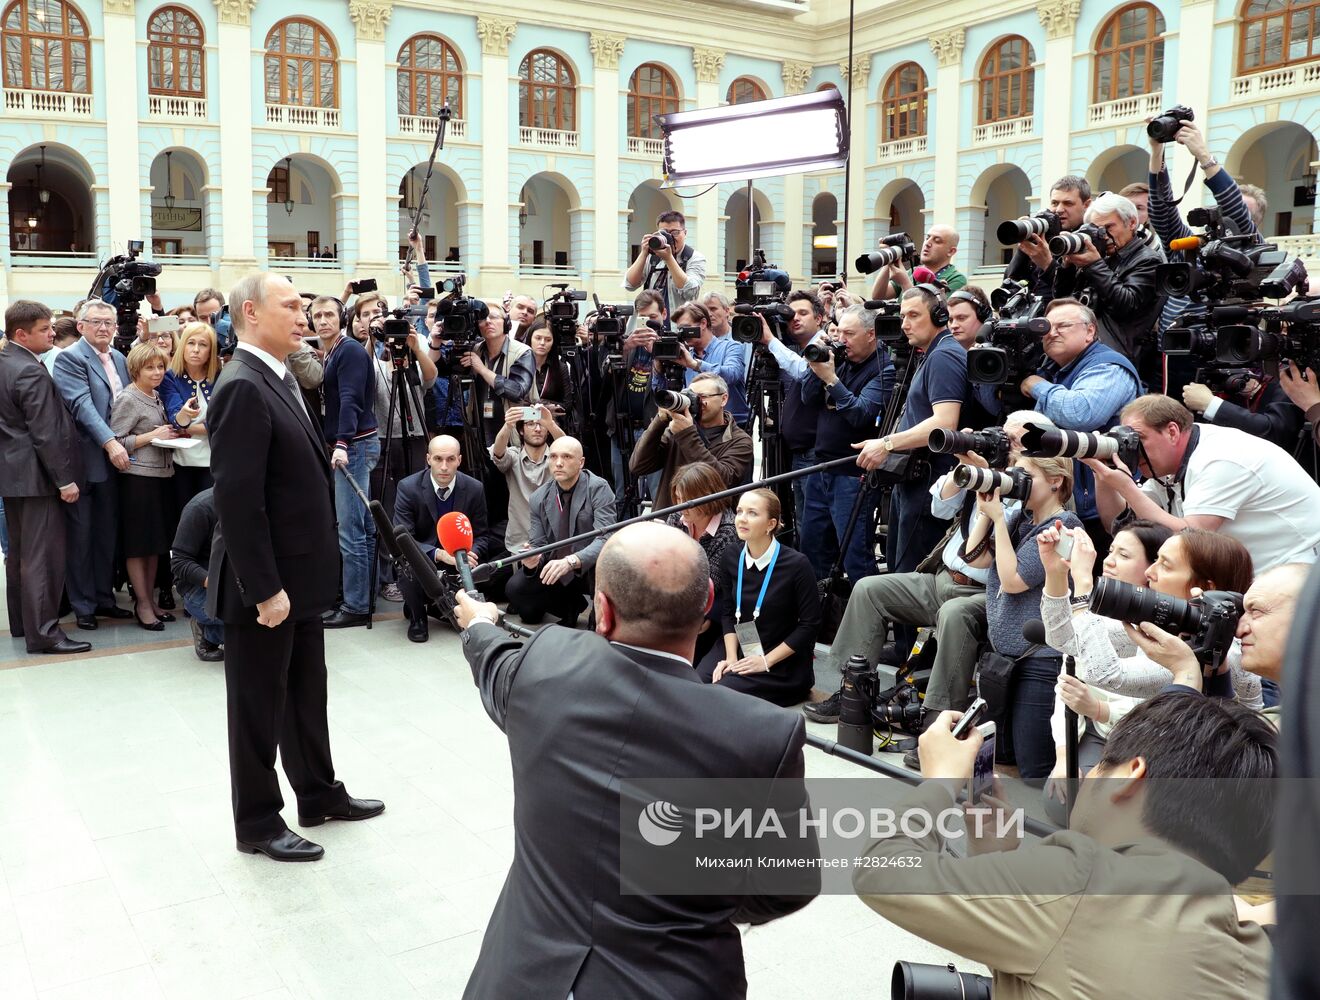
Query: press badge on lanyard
[{"x": 748, "y": 637}]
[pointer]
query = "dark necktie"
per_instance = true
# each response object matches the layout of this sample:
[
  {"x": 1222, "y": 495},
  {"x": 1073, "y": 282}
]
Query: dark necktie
[
  {"x": 292, "y": 384},
  {"x": 565, "y": 524}
]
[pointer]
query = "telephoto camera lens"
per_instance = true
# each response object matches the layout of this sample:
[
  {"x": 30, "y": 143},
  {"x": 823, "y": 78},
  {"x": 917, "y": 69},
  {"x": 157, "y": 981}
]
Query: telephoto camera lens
[
  {"x": 915, "y": 981},
  {"x": 856, "y": 729},
  {"x": 1125, "y": 603},
  {"x": 1038, "y": 442},
  {"x": 1044, "y": 224},
  {"x": 991, "y": 444},
  {"x": 683, "y": 401},
  {"x": 1066, "y": 243},
  {"x": 1012, "y": 484},
  {"x": 869, "y": 263}
]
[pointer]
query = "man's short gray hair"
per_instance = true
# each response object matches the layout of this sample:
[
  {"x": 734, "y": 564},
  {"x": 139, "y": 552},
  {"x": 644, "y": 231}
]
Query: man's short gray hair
[
  {"x": 717, "y": 297},
  {"x": 1115, "y": 203},
  {"x": 1087, "y": 313},
  {"x": 91, "y": 304},
  {"x": 250, "y": 288},
  {"x": 864, "y": 316},
  {"x": 718, "y": 381}
]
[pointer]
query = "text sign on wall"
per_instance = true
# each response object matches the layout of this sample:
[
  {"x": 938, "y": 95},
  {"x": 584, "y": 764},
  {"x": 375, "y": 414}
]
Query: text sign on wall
[{"x": 186, "y": 220}]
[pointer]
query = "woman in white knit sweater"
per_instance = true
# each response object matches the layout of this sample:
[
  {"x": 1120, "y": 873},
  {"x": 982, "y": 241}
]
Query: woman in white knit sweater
[{"x": 1113, "y": 675}]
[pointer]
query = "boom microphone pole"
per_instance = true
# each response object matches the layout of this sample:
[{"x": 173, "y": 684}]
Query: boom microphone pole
[
  {"x": 486, "y": 570},
  {"x": 443, "y": 116}
]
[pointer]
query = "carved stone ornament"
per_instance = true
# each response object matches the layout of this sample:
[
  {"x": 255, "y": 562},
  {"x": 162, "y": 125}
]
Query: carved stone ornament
[
  {"x": 235, "y": 11},
  {"x": 118, "y": 6},
  {"x": 796, "y": 75},
  {"x": 1058, "y": 17},
  {"x": 495, "y": 34},
  {"x": 707, "y": 63},
  {"x": 371, "y": 18},
  {"x": 861, "y": 72},
  {"x": 606, "y": 49},
  {"x": 948, "y": 46}
]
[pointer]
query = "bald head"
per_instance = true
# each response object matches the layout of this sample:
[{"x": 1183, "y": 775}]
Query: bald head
[
  {"x": 444, "y": 456},
  {"x": 939, "y": 246},
  {"x": 566, "y": 461},
  {"x": 1269, "y": 606},
  {"x": 656, "y": 579}
]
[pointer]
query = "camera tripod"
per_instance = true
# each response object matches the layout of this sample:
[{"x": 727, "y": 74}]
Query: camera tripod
[{"x": 765, "y": 398}]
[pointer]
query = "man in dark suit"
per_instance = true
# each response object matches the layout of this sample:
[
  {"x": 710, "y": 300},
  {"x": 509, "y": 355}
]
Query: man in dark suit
[
  {"x": 420, "y": 501},
  {"x": 89, "y": 375},
  {"x": 40, "y": 466},
  {"x": 577, "y": 501},
  {"x": 274, "y": 570},
  {"x": 584, "y": 713}
]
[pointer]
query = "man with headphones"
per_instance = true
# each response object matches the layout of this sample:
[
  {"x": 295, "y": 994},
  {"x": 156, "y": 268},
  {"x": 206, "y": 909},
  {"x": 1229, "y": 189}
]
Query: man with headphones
[
  {"x": 969, "y": 311},
  {"x": 503, "y": 369},
  {"x": 935, "y": 399},
  {"x": 349, "y": 388}
]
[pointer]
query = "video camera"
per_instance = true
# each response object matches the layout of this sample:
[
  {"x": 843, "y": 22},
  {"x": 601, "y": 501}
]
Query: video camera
[
  {"x": 1007, "y": 484},
  {"x": 1013, "y": 300},
  {"x": 123, "y": 282},
  {"x": 761, "y": 290},
  {"x": 1208, "y": 623},
  {"x": 1121, "y": 442},
  {"x": 992, "y": 444},
  {"x": 562, "y": 313},
  {"x": 1045, "y": 224},
  {"x": 894, "y": 249},
  {"x": 666, "y": 346},
  {"x": 1007, "y": 350},
  {"x": 460, "y": 315},
  {"x": 609, "y": 321}
]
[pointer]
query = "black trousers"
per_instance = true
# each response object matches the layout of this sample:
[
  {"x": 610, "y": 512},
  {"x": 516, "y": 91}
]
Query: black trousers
[
  {"x": 34, "y": 571},
  {"x": 93, "y": 530},
  {"x": 532, "y": 600},
  {"x": 275, "y": 684}
]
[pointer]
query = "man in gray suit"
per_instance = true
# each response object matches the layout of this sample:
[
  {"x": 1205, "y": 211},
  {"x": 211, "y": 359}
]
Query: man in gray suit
[
  {"x": 39, "y": 467},
  {"x": 576, "y": 502},
  {"x": 584, "y": 713},
  {"x": 89, "y": 376}
]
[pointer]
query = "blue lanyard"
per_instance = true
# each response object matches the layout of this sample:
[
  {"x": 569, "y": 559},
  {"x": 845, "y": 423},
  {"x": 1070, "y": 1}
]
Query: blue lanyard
[{"x": 765, "y": 584}]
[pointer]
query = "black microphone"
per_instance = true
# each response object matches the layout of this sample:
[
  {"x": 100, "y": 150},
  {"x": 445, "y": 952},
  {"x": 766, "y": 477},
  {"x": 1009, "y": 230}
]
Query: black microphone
[
  {"x": 423, "y": 570},
  {"x": 385, "y": 530},
  {"x": 1034, "y": 632}
]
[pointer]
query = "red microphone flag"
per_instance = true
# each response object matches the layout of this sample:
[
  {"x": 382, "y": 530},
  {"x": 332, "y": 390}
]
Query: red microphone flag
[
  {"x": 923, "y": 275},
  {"x": 454, "y": 532}
]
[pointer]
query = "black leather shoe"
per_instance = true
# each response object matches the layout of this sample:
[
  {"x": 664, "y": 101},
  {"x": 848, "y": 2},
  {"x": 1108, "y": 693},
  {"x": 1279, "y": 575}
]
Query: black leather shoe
[
  {"x": 284, "y": 846},
  {"x": 87, "y": 622},
  {"x": 207, "y": 652},
  {"x": 65, "y": 646},
  {"x": 418, "y": 630},
  {"x": 356, "y": 809},
  {"x": 119, "y": 614},
  {"x": 166, "y": 600},
  {"x": 339, "y": 618},
  {"x": 165, "y": 616},
  {"x": 156, "y": 626}
]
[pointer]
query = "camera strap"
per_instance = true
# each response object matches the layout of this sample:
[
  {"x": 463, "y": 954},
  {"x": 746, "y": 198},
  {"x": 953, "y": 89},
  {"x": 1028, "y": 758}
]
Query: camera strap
[{"x": 1191, "y": 176}]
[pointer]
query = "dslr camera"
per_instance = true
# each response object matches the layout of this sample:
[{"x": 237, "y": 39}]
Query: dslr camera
[
  {"x": 761, "y": 290},
  {"x": 1121, "y": 442},
  {"x": 678, "y": 401},
  {"x": 820, "y": 353},
  {"x": 1045, "y": 224},
  {"x": 1207, "y": 623},
  {"x": 894, "y": 249},
  {"x": 1007, "y": 484},
  {"x": 1075, "y": 241},
  {"x": 1007, "y": 350},
  {"x": 992, "y": 444},
  {"x": 661, "y": 239},
  {"x": 1165, "y": 128}
]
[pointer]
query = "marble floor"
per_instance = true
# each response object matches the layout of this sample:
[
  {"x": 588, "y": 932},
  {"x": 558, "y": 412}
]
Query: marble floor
[{"x": 119, "y": 877}]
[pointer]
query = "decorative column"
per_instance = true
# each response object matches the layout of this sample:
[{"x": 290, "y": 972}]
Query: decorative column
[
  {"x": 238, "y": 250},
  {"x": 1059, "y": 18},
  {"x": 855, "y": 210},
  {"x": 709, "y": 225},
  {"x": 123, "y": 172},
  {"x": 607, "y": 260},
  {"x": 497, "y": 269},
  {"x": 945, "y": 143},
  {"x": 374, "y": 226},
  {"x": 1196, "y": 29},
  {"x": 797, "y": 255}
]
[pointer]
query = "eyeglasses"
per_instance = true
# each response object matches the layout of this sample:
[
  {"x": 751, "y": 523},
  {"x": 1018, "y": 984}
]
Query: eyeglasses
[
  {"x": 709, "y": 395},
  {"x": 164, "y": 336},
  {"x": 97, "y": 324}
]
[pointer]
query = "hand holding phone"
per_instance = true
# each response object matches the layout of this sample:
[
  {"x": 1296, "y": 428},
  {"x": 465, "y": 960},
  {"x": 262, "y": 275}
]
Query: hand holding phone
[
  {"x": 970, "y": 718},
  {"x": 531, "y": 414},
  {"x": 983, "y": 767},
  {"x": 1064, "y": 546}
]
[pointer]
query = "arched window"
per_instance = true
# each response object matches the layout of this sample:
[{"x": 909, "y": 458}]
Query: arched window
[
  {"x": 176, "y": 61},
  {"x": 46, "y": 47},
  {"x": 745, "y": 89},
  {"x": 1007, "y": 80},
  {"x": 903, "y": 103},
  {"x": 652, "y": 91},
  {"x": 301, "y": 65},
  {"x": 547, "y": 95},
  {"x": 1278, "y": 33},
  {"x": 429, "y": 75},
  {"x": 1129, "y": 54}
]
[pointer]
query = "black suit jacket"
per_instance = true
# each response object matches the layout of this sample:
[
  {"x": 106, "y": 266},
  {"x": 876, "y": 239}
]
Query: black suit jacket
[
  {"x": 39, "y": 445},
  {"x": 274, "y": 498},
  {"x": 583, "y": 714},
  {"x": 415, "y": 509}
]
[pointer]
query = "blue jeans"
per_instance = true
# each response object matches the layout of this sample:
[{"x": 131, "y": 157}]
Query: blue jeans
[
  {"x": 194, "y": 599},
  {"x": 829, "y": 504},
  {"x": 357, "y": 538},
  {"x": 647, "y": 484},
  {"x": 1033, "y": 704}
]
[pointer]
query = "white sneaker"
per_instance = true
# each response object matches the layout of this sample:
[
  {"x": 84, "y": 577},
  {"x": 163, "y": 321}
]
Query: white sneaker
[{"x": 391, "y": 592}]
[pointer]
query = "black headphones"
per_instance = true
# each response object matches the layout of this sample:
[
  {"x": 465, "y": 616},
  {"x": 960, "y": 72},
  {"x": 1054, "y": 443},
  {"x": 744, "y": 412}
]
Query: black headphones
[
  {"x": 983, "y": 310},
  {"x": 343, "y": 314},
  {"x": 939, "y": 312}
]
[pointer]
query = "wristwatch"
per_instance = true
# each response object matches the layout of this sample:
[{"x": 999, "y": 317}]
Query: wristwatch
[
  {"x": 888, "y": 442},
  {"x": 1206, "y": 166}
]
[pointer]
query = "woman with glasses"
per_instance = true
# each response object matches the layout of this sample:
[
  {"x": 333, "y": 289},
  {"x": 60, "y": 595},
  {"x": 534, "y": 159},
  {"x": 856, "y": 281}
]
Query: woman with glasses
[{"x": 186, "y": 392}]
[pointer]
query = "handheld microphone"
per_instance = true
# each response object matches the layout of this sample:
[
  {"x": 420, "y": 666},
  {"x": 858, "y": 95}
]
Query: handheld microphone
[
  {"x": 922, "y": 275},
  {"x": 1034, "y": 632},
  {"x": 423, "y": 569},
  {"x": 454, "y": 532}
]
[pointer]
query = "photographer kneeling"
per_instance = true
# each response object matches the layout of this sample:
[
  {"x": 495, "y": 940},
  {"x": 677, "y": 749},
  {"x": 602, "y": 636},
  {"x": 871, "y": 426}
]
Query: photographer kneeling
[{"x": 1135, "y": 899}]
